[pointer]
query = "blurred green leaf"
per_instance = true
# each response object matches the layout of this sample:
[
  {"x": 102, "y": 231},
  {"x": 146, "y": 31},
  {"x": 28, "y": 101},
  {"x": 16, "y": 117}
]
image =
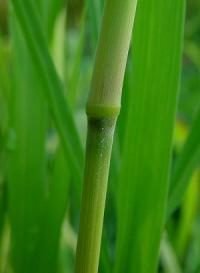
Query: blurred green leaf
[
  {"x": 77, "y": 58},
  {"x": 27, "y": 156},
  {"x": 188, "y": 213},
  {"x": 39, "y": 214},
  {"x": 192, "y": 263},
  {"x": 187, "y": 161},
  {"x": 52, "y": 86},
  {"x": 168, "y": 257},
  {"x": 54, "y": 215},
  {"x": 95, "y": 15},
  {"x": 4, "y": 102}
]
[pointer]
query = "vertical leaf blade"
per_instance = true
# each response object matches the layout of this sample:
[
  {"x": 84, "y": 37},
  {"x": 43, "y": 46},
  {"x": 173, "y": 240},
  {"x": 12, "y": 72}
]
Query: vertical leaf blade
[
  {"x": 157, "y": 44},
  {"x": 52, "y": 86},
  {"x": 27, "y": 157},
  {"x": 186, "y": 163}
]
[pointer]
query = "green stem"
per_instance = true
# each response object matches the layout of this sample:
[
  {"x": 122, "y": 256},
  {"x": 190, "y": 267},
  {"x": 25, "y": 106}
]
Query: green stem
[
  {"x": 99, "y": 143},
  {"x": 102, "y": 109}
]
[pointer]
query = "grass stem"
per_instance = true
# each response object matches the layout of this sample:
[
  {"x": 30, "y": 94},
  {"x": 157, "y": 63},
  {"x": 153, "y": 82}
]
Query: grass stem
[{"x": 102, "y": 109}]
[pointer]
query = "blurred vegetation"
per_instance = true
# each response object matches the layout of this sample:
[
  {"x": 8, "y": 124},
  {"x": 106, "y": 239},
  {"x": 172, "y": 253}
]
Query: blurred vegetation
[{"x": 180, "y": 249}]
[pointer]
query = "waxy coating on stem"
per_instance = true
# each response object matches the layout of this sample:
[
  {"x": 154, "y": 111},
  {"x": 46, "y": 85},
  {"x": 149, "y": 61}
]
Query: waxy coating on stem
[
  {"x": 102, "y": 110},
  {"x": 111, "y": 57}
]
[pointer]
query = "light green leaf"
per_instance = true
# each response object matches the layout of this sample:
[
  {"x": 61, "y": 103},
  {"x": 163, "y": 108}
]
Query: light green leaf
[{"x": 168, "y": 257}]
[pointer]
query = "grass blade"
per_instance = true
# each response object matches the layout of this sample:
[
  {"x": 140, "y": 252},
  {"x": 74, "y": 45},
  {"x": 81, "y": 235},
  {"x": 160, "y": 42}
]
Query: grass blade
[
  {"x": 188, "y": 214},
  {"x": 52, "y": 86},
  {"x": 59, "y": 178},
  {"x": 187, "y": 162},
  {"x": 40, "y": 210},
  {"x": 27, "y": 157},
  {"x": 192, "y": 262},
  {"x": 168, "y": 257},
  {"x": 55, "y": 211},
  {"x": 95, "y": 15},
  {"x": 51, "y": 9},
  {"x": 189, "y": 158},
  {"x": 4, "y": 90},
  {"x": 157, "y": 44},
  {"x": 76, "y": 66}
]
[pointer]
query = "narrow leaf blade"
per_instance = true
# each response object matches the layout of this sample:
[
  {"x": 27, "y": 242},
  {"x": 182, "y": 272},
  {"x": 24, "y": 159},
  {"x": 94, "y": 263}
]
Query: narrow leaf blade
[{"x": 157, "y": 44}]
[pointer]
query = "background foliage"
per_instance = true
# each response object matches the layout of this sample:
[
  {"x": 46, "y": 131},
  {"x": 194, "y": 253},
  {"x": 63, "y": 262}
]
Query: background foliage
[{"x": 47, "y": 50}]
